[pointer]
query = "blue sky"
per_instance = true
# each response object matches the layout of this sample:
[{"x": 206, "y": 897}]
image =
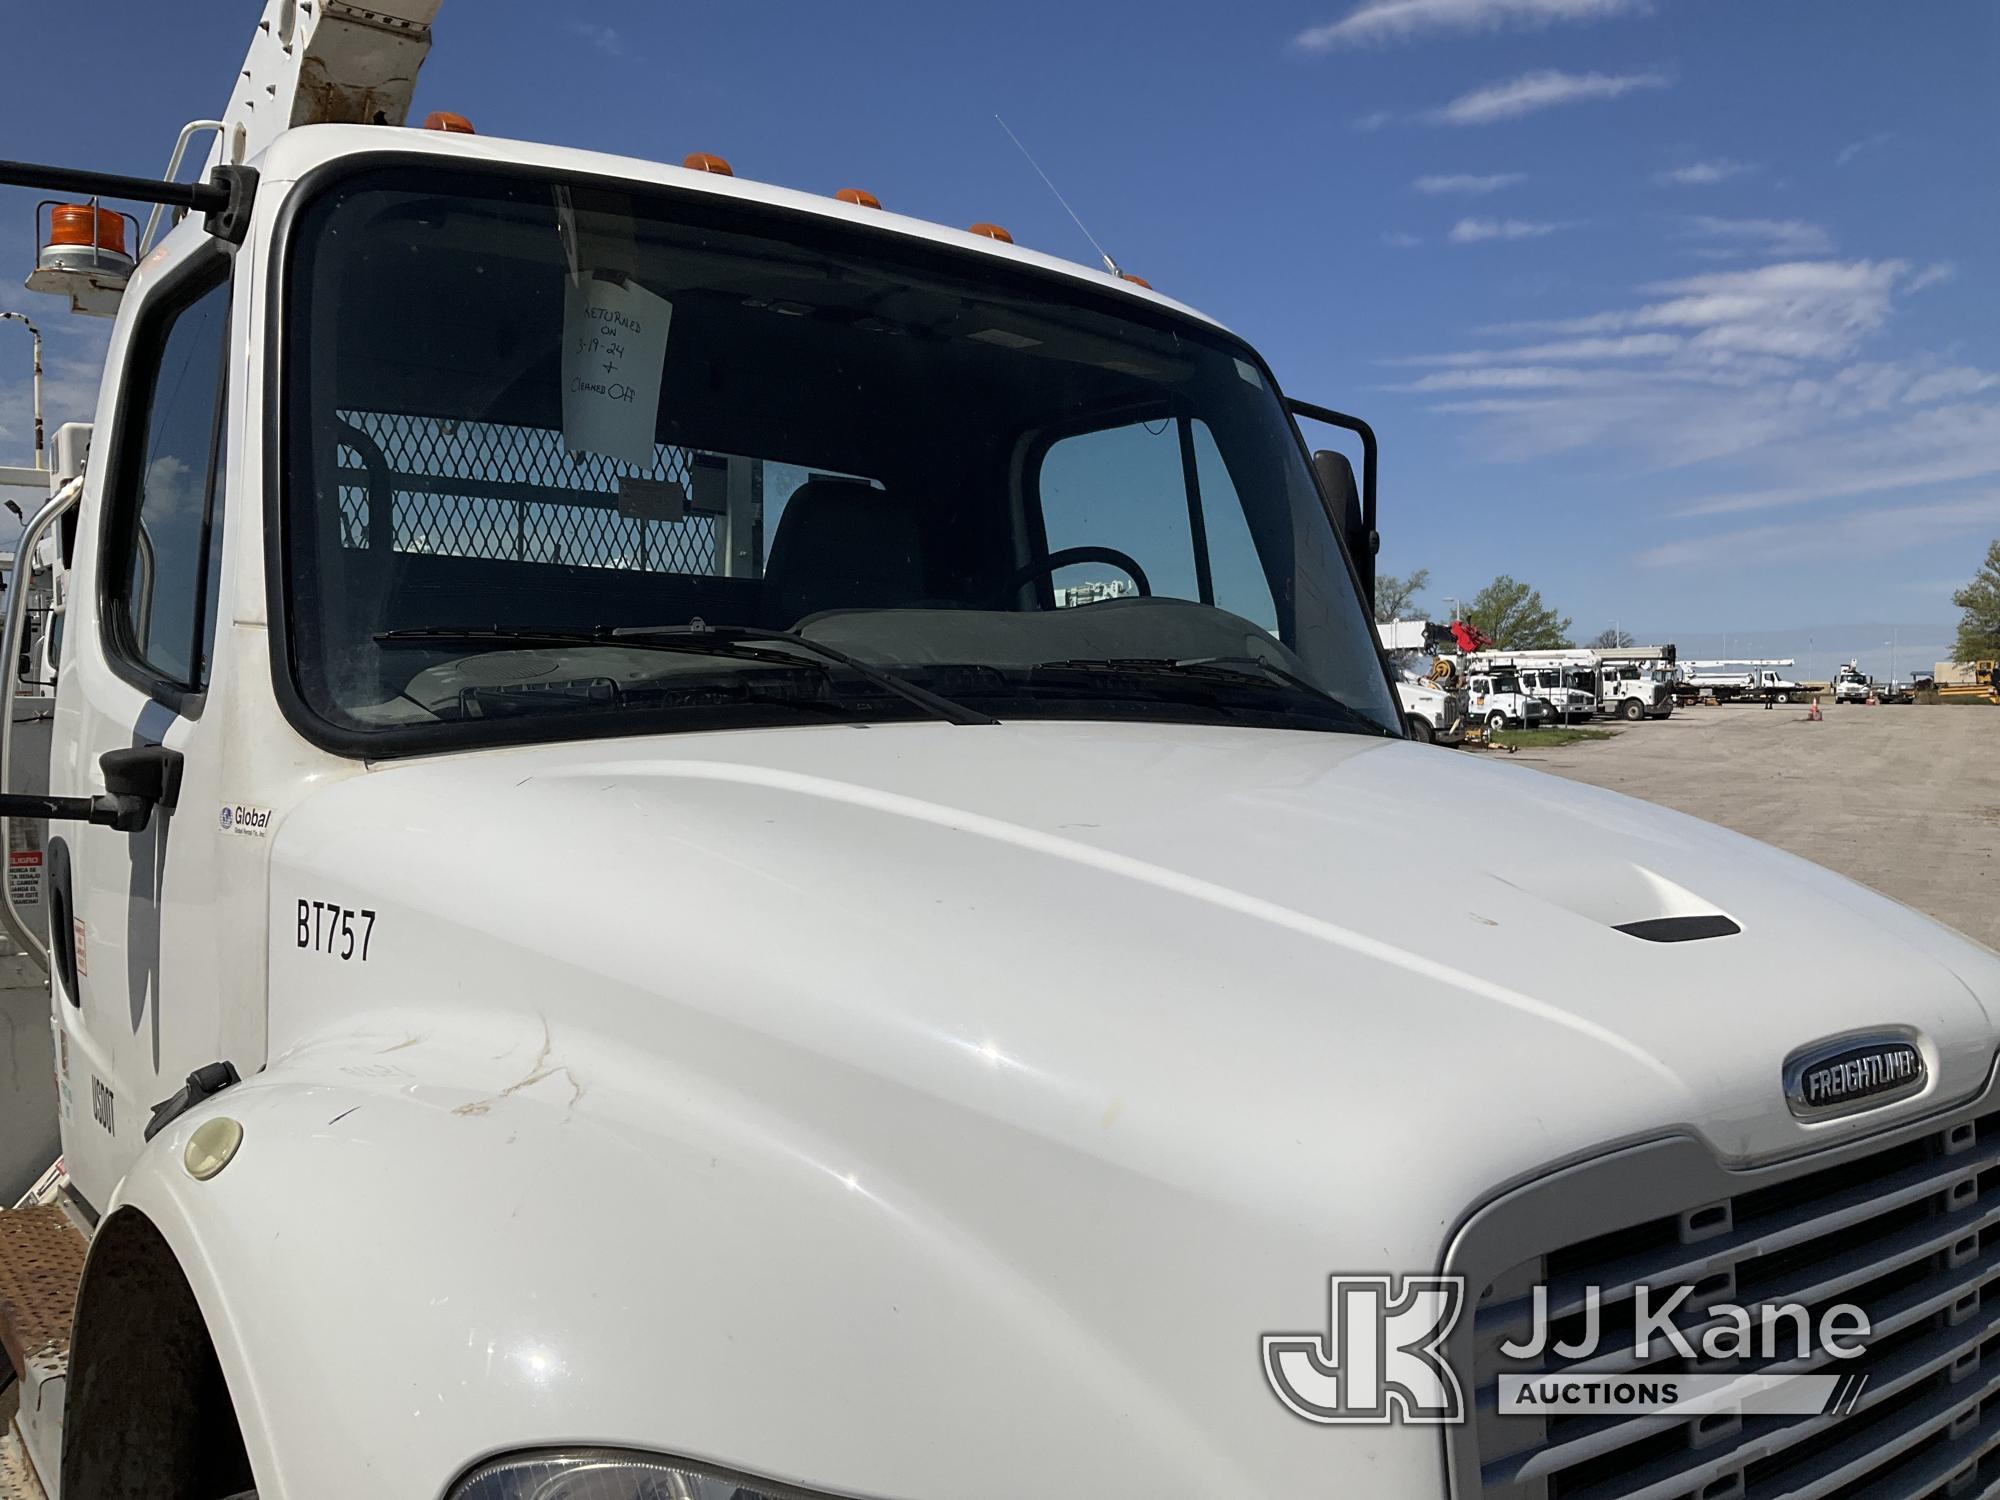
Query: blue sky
[{"x": 1683, "y": 310}]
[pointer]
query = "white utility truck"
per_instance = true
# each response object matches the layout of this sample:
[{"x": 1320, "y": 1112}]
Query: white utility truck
[
  {"x": 1570, "y": 692},
  {"x": 1436, "y": 708},
  {"x": 610, "y": 941},
  {"x": 1634, "y": 687},
  {"x": 1628, "y": 681},
  {"x": 1852, "y": 685},
  {"x": 1567, "y": 687},
  {"x": 1434, "y": 711},
  {"x": 1738, "y": 682},
  {"x": 1634, "y": 682},
  {"x": 1499, "y": 699}
]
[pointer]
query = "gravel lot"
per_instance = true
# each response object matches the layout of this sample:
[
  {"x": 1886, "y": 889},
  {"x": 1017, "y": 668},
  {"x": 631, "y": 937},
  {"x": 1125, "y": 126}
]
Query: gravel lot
[{"x": 1904, "y": 799}]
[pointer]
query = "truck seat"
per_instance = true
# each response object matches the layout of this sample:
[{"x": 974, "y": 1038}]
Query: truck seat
[{"x": 842, "y": 544}]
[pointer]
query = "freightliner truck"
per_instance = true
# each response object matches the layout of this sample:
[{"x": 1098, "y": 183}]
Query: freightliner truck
[{"x": 607, "y": 939}]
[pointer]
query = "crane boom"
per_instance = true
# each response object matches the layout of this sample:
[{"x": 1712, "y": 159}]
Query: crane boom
[{"x": 315, "y": 62}]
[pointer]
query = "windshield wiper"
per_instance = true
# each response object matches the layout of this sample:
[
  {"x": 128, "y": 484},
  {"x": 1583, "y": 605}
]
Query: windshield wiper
[
  {"x": 1229, "y": 669},
  {"x": 698, "y": 635},
  {"x": 697, "y": 638}
]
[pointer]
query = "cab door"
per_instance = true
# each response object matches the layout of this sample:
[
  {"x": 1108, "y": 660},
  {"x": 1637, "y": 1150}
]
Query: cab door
[{"x": 136, "y": 984}]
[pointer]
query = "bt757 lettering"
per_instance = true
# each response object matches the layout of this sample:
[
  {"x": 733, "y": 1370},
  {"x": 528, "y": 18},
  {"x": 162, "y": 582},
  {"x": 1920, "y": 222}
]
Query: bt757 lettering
[{"x": 341, "y": 932}]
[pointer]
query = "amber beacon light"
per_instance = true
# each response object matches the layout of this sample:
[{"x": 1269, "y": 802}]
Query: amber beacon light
[{"x": 83, "y": 256}]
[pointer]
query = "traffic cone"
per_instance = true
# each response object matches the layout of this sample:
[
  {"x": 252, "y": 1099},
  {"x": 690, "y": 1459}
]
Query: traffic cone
[{"x": 1814, "y": 716}]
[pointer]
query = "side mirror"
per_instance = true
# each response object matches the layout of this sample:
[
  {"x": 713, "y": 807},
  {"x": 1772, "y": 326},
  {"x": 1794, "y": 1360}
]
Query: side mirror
[
  {"x": 1353, "y": 506},
  {"x": 1336, "y": 482},
  {"x": 148, "y": 773}
]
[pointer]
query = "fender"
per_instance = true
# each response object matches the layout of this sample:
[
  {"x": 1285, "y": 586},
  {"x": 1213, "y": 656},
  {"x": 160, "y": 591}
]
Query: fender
[{"x": 423, "y": 1254}]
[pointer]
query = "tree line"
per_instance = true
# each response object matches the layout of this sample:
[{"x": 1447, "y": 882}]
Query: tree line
[
  {"x": 1508, "y": 610},
  {"x": 1516, "y": 617},
  {"x": 1979, "y": 626}
]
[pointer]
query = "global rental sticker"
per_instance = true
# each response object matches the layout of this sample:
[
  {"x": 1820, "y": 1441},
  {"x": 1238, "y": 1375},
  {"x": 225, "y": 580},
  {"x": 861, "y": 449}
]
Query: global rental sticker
[{"x": 241, "y": 818}]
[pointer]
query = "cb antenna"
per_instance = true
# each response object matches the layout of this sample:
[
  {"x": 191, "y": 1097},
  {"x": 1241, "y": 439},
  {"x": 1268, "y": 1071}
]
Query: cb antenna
[{"x": 1109, "y": 264}]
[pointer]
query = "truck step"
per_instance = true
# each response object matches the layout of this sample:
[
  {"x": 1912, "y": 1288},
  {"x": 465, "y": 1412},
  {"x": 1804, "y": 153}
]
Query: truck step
[
  {"x": 41, "y": 1263},
  {"x": 17, "y": 1475}
]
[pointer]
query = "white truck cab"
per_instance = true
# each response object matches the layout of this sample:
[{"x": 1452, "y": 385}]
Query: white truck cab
[
  {"x": 1433, "y": 712},
  {"x": 1581, "y": 681},
  {"x": 1635, "y": 690},
  {"x": 1852, "y": 685},
  {"x": 612, "y": 935},
  {"x": 1570, "y": 692},
  {"x": 1501, "y": 700}
]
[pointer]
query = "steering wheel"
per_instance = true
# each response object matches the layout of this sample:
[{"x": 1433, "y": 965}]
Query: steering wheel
[{"x": 1064, "y": 557}]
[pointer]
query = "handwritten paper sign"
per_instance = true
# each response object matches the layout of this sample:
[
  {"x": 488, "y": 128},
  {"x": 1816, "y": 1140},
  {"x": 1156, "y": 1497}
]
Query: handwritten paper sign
[{"x": 614, "y": 353}]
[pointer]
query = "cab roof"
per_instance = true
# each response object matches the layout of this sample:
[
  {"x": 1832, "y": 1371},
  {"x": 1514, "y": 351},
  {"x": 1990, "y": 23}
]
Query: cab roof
[{"x": 299, "y": 150}]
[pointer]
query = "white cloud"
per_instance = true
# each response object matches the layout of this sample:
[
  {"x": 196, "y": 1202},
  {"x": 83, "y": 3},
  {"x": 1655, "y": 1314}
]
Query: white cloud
[
  {"x": 1932, "y": 275},
  {"x": 1705, "y": 173},
  {"x": 1853, "y": 149},
  {"x": 604, "y": 38},
  {"x": 1944, "y": 385},
  {"x": 1526, "y": 377},
  {"x": 1937, "y": 445},
  {"x": 1530, "y": 92},
  {"x": 1468, "y": 183},
  {"x": 1761, "y": 375},
  {"x": 1631, "y": 346},
  {"x": 1868, "y": 530},
  {"x": 1789, "y": 310},
  {"x": 1398, "y": 20},
  {"x": 1397, "y": 239},
  {"x": 1791, "y": 237},
  {"x": 1472, "y": 231},
  {"x": 1369, "y": 123}
]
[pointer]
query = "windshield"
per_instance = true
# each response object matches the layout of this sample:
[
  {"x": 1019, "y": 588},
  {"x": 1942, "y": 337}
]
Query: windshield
[{"x": 534, "y": 425}]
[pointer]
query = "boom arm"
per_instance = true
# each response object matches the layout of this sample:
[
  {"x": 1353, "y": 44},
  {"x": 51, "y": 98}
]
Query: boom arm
[{"x": 315, "y": 62}]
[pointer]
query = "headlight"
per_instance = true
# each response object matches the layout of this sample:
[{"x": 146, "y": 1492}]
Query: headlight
[{"x": 603, "y": 1474}]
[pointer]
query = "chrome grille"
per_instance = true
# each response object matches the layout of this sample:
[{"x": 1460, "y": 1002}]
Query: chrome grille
[{"x": 1908, "y": 1231}]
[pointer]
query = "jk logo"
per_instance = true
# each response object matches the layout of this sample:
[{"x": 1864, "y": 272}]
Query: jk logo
[{"x": 1379, "y": 1360}]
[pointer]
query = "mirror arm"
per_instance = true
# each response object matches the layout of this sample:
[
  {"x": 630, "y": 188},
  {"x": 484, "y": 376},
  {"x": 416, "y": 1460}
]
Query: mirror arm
[
  {"x": 1363, "y": 548},
  {"x": 19, "y": 927},
  {"x": 124, "y": 812},
  {"x": 1369, "y": 451}
]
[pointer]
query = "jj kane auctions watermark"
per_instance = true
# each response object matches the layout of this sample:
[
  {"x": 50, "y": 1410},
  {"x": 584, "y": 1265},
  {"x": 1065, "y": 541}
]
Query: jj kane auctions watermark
[{"x": 1381, "y": 1358}]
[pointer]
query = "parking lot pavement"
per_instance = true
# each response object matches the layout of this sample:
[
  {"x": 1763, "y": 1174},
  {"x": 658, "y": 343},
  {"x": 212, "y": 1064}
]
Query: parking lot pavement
[{"x": 1904, "y": 799}]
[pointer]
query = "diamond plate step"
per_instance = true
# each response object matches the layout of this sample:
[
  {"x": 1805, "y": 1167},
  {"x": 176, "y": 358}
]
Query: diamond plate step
[
  {"x": 17, "y": 1475},
  {"x": 41, "y": 1262}
]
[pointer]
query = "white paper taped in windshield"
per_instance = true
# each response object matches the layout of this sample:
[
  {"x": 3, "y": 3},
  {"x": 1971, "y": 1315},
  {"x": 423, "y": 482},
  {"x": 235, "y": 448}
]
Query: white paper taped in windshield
[{"x": 614, "y": 353}]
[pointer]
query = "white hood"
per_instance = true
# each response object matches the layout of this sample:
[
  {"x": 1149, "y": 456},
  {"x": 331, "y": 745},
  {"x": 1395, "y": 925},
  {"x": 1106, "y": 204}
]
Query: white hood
[{"x": 1132, "y": 1035}]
